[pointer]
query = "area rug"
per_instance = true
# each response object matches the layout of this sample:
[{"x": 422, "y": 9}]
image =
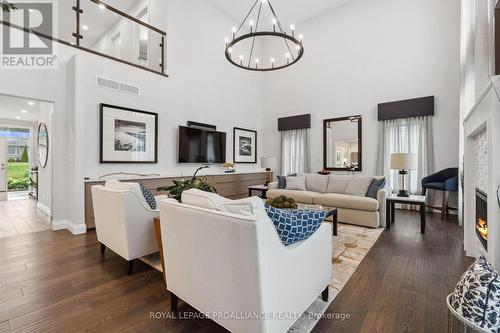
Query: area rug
[{"x": 349, "y": 248}]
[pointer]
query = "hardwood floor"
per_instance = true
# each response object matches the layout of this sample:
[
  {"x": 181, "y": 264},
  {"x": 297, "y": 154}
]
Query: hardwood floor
[
  {"x": 57, "y": 282},
  {"x": 402, "y": 283},
  {"x": 20, "y": 217}
]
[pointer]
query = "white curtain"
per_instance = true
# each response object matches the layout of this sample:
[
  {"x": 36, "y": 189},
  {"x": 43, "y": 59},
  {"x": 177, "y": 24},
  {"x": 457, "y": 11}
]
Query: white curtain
[
  {"x": 406, "y": 135},
  {"x": 295, "y": 151}
]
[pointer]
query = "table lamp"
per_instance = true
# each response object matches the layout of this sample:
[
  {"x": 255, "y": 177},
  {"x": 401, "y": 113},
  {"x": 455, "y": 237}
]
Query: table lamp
[
  {"x": 403, "y": 162},
  {"x": 269, "y": 163}
]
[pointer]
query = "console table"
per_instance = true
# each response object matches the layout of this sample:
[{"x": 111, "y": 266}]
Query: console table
[
  {"x": 411, "y": 200},
  {"x": 232, "y": 186}
]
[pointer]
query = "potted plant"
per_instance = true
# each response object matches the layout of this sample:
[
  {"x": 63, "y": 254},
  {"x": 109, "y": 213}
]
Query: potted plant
[{"x": 200, "y": 183}]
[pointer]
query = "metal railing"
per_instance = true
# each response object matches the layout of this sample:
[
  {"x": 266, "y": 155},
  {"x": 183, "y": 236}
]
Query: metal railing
[{"x": 126, "y": 36}]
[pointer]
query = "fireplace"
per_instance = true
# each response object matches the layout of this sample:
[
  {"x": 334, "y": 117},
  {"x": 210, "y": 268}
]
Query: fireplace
[{"x": 482, "y": 217}]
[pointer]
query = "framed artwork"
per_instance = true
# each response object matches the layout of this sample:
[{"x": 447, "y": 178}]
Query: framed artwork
[
  {"x": 244, "y": 145},
  {"x": 127, "y": 135}
]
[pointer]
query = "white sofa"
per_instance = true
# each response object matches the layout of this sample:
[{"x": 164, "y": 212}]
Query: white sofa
[
  {"x": 225, "y": 264},
  {"x": 124, "y": 221},
  {"x": 344, "y": 192}
]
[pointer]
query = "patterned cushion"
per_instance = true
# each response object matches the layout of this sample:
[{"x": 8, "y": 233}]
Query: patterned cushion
[
  {"x": 150, "y": 198},
  {"x": 281, "y": 182},
  {"x": 375, "y": 186},
  {"x": 295, "y": 225},
  {"x": 477, "y": 296}
]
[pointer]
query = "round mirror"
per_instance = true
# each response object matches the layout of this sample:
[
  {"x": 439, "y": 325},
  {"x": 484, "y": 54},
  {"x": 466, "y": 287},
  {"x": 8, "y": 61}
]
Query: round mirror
[{"x": 43, "y": 145}]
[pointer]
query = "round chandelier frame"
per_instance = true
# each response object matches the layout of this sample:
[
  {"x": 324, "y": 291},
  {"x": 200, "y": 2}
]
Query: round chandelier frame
[{"x": 294, "y": 45}]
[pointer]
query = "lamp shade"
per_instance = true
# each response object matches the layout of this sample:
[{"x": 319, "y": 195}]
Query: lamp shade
[
  {"x": 404, "y": 161},
  {"x": 268, "y": 162}
]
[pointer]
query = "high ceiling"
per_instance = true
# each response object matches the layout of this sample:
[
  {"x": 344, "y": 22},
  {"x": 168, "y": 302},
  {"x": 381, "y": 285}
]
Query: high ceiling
[
  {"x": 289, "y": 11},
  {"x": 96, "y": 20},
  {"x": 19, "y": 109}
]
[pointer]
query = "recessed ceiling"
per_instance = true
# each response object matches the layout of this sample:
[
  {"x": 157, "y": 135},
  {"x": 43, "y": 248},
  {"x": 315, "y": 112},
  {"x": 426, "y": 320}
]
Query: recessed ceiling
[
  {"x": 19, "y": 109},
  {"x": 98, "y": 21},
  {"x": 289, "y": 11}
]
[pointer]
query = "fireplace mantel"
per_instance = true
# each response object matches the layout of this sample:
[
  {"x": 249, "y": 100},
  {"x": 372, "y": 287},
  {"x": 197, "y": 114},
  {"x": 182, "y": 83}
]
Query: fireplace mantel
[{"x": 483, "y": 117}]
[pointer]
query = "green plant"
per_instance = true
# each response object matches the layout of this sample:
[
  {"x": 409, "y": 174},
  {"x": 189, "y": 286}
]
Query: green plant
[
  {"x": 18, "y": 184},
  {"x": 7, "y": 6},
  {"x": 24, "y": 156},
  {"x": 175, "y": 191},
  {"x": 282, "y": 202}
]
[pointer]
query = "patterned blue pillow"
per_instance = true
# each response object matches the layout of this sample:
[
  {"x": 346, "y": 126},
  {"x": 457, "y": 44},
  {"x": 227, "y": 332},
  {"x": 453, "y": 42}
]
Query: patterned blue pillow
[
  {"x": 148, "y": 195},
  {"x": 295, "y": 225},
  {"x": 477, "y": 296}
]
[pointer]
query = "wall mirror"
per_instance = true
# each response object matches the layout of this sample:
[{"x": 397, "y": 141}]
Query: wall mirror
[
  {"x": 342, "y": 144},
  {"x": 43, "y": 145}
]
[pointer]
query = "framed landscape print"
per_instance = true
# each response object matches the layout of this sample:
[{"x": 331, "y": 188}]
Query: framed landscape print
[
  {"x": 127, "y": 135},
  {"x": 245, "y": 146}
]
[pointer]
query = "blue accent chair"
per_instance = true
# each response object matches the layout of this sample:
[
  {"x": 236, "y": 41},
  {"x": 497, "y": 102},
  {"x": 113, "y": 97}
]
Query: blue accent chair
[{"x": 445, "y": 180}]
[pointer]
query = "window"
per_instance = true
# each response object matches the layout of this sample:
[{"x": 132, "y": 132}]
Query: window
[
  {"x": 406, "y": 135},
  {"x": 295, "y": 156}
]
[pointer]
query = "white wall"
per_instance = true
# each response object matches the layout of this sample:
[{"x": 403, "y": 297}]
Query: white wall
[
  {"x": 369, "y": 52},
  {"x": 45, "y": 174}
]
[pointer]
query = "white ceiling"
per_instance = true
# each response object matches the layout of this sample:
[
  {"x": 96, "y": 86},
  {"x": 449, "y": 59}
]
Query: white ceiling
[
  {"x": 11, "y": 108},
  {"x": 288, "y": 11},
  {"x": 98, "y": 21}
]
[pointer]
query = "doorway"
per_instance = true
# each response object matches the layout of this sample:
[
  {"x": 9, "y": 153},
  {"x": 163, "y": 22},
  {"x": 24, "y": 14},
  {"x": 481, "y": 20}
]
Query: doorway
[{"x": 25, "y": 186}]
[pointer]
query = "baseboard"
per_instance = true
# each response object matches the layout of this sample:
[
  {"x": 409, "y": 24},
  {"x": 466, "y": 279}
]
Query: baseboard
[
  {"x": 75, "y": 229},
  {"x": 43, "y": 208}
]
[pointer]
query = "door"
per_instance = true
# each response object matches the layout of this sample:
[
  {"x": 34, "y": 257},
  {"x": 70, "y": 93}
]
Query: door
[{"x": 3, "y": 165}]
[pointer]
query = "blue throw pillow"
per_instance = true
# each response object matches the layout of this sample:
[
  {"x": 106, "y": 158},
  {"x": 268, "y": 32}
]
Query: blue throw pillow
[
  {"x": 375, "y": 186},
  {"x": 281, "y": 182},
  {"x": 295, "y": 225},
  {"x": 477, "y": 296},
  {"x": 150, "y": 198}
]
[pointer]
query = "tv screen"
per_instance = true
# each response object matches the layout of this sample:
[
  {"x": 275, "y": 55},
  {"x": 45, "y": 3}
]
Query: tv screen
[{"x": 201, "y": 146}]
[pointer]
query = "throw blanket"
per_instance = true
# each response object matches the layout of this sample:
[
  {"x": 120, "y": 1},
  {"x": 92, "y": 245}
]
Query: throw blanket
[{"x": 295, "y": 225}]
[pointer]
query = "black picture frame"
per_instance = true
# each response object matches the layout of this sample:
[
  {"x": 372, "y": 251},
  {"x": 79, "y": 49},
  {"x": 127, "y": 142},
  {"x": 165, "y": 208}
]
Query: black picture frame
[
  {"x": 236, "y": 146},
  {"x": 359, "y": 119},
  {"x": 102, "y": 159}
]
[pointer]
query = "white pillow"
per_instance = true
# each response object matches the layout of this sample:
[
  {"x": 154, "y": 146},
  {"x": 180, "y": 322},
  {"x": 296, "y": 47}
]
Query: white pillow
[
  {"x": 202, "y": 199},
  {"x": 358, "y": 186},
  {"x": 114, "y": 184},
  {"x": 338, "y": 183},
  {"x": 296, "y": 183},
  {"x": 316, "y": 182},
  {"x": 253, "y": 206}
]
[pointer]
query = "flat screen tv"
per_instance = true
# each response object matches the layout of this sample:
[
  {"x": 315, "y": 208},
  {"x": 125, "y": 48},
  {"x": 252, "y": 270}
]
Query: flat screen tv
[{"x": 201, "y": 146}]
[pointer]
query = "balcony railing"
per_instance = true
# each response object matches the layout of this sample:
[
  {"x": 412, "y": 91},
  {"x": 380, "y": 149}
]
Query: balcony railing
[{"x": 102, "y": 28}]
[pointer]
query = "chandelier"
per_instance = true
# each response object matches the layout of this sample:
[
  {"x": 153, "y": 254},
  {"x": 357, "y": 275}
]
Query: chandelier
[{"x": 258, "y": 45}]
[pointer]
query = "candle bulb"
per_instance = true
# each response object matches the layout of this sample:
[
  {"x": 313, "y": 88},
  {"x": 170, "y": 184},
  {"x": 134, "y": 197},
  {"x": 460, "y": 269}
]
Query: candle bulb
[
  {"x": 241, "y": 60},
  {"x": 287, "y": 58},
  {"x": 257, "y": 63},
  {"x": 274, "y": 24},
  {"x": 230, "y": 51},
  {"x": 227, "y": 41},
  {"x": 292, "y": 27},
  {"x": 234, "y": 33},
  {"x": 272, "y": 62},
  {"x": 251, "y": 26}
]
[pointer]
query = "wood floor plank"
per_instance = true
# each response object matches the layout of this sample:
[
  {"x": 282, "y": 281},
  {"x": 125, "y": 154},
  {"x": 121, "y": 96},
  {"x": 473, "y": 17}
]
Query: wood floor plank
[{"x": 58, "y": 282}]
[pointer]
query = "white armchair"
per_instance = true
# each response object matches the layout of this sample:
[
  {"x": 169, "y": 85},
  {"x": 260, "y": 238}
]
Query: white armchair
[
  {"x": 225, "y": 264},
  {"x": 124, "y": 223}
]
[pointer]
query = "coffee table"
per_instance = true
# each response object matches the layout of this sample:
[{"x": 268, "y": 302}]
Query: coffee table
[
  {"x": 393, "y": 199},
  {"x": 330, "y": 212}
]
